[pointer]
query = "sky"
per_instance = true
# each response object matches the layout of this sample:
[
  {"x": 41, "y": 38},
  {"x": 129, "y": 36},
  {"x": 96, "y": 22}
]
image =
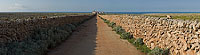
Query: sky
[{"x": 99, "y": 5}]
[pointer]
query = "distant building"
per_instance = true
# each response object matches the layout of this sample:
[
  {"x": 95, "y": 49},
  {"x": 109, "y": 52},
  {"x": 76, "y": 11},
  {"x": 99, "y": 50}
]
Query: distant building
[
  {"x": 96, "y": 12},
  {"x": 100, "y": 12},
  {"x": 168, "y": 16}
]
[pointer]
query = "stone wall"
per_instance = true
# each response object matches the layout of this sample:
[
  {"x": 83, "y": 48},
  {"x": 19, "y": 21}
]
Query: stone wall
[
  {"x": 20, "y": 29},
  {"x": 181, "y": 37}
]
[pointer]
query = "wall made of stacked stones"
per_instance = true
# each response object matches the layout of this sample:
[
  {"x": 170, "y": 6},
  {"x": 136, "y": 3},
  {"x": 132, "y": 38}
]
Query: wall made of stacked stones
[
  {"x": 20, "y": 29},
  {"x": 181, "y": 37}
]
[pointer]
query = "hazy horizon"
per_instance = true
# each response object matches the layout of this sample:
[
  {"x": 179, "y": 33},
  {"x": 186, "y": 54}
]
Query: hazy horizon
[{"x": 100, "y": 5}]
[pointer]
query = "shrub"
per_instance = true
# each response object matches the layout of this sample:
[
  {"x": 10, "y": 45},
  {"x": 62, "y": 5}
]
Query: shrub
[
  {"x": 106, "y": 21},
  {"x": 141, "y": 46},
  {"x": 138, "y": 42},
  {"x": 158, "y": 51},
  {"x": 125, "y": 35},
  {"x": 119, "y": 30},
  {"x": 112, "y": 24},
  {"x": 144, "y": 48},
  {"x": 131, "y": 40},
  {"x": 116, "y": 28}
]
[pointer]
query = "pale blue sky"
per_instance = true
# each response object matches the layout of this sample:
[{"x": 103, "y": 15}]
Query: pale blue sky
[{"x": 101, "y": 5}]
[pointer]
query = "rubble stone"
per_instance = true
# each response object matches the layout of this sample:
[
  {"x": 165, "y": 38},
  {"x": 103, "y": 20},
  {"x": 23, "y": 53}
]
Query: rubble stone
[{"x": 182, "y": 37}]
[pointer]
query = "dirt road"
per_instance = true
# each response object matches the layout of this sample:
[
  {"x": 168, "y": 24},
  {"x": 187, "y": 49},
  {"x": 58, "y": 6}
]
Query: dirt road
[{"x": 94, "y": 37}]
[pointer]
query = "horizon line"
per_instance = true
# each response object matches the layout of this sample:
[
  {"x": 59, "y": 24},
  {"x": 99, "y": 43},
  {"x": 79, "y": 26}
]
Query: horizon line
[{"x": 91, "y": 11}]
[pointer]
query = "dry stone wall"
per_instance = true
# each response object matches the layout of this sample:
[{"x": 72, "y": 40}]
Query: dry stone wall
[
  {"x": 20, "y": 29},
  {"x": 181, "y": 37}
]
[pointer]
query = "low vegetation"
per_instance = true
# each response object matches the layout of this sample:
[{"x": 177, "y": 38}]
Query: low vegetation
[
  {"x": 112, "y": 24},
  {"x": 34, "y": 15},
  {"x": 158, "y": 51},
  {"x": 136, "y": 42},
  {"x": 39, "y": 41}
]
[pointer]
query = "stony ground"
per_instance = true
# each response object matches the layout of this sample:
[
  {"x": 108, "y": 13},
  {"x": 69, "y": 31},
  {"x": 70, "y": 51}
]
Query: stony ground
[
  {"x": 179, "y": 36},
  {"x": 94, "y": 37}
]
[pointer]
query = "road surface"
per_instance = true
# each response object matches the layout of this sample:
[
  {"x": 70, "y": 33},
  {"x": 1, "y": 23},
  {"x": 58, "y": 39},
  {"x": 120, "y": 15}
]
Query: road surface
[{"x": 94, "y": 37}]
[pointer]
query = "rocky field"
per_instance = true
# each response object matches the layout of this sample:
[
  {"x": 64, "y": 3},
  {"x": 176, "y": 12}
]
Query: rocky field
[
  {"x": 182, "y": 16},
  {"x": 181, "y": 37}
]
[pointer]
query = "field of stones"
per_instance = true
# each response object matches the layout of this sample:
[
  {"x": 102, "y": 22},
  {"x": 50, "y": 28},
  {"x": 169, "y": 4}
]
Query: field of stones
[{"x": 158, "y": 34}]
